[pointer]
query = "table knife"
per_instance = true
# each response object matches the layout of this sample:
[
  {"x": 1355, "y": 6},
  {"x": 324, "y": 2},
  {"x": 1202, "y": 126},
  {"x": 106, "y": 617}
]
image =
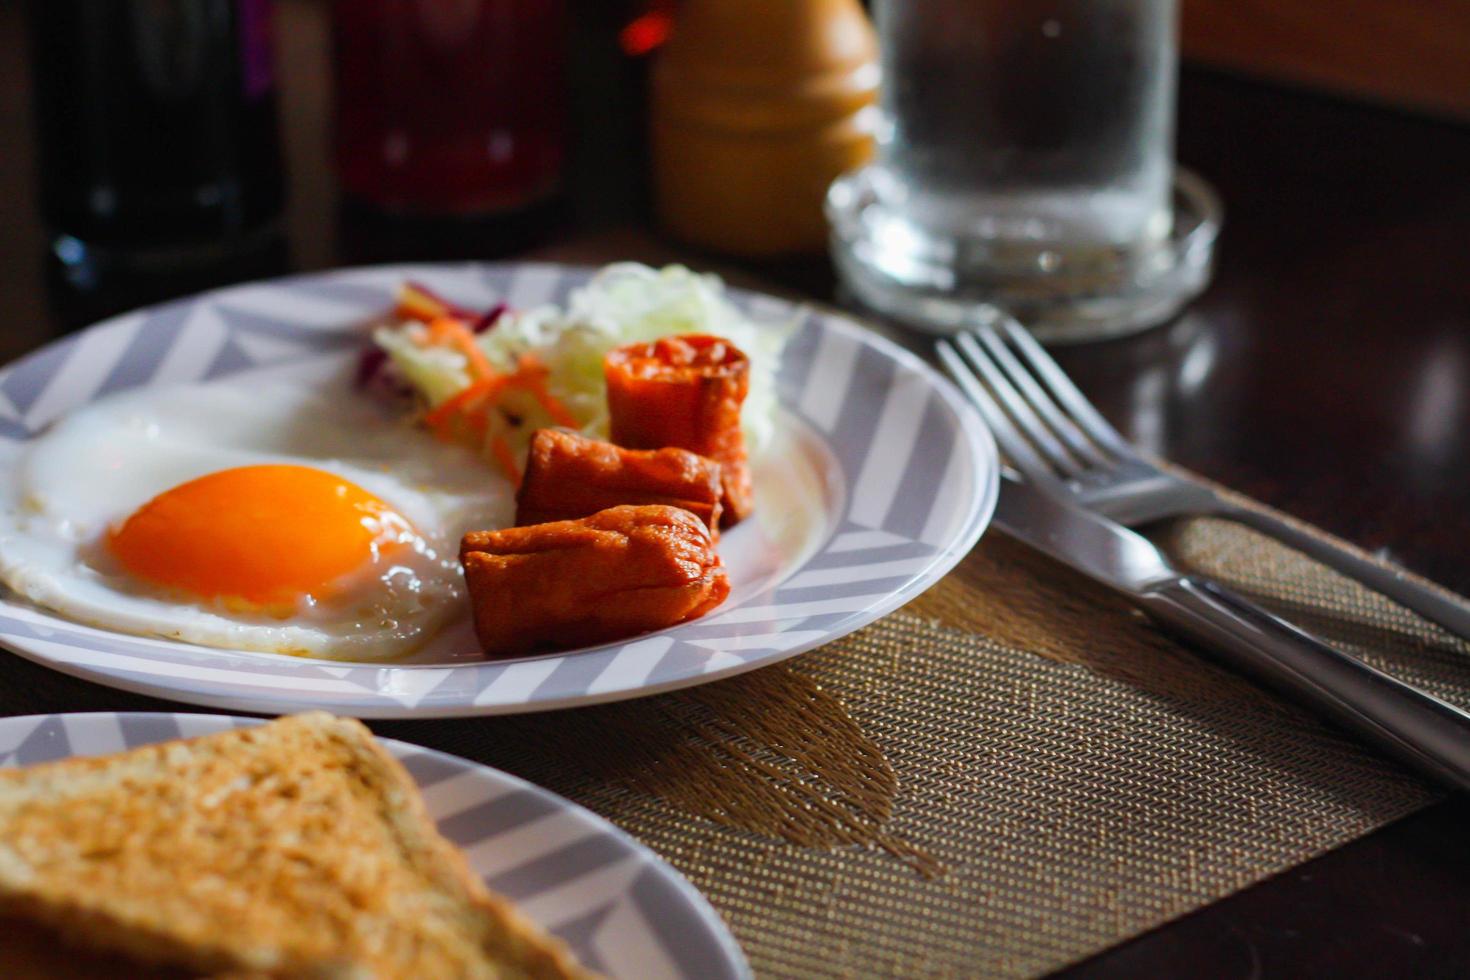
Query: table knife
[{"x": 1417, "y": 728}]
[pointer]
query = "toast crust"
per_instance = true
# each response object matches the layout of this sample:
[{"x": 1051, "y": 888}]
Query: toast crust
[{"x": 296, "y": 848}]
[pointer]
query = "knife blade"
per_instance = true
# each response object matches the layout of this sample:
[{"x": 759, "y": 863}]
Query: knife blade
[
  {"x": 1092, "y": 544},
  {"x": 1421, "y": 730}
]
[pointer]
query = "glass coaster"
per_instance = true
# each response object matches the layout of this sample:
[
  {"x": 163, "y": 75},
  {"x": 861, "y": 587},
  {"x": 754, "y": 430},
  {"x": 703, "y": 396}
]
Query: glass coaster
[{"x": 942, "y": 283}]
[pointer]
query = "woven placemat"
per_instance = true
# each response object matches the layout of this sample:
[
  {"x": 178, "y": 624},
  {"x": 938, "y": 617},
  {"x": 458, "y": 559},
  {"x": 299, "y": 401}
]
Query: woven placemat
[{"x": 1014, "y": 772}]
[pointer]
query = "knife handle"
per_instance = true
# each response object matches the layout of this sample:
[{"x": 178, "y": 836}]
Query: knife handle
[{"x": 1419, "y": 729}]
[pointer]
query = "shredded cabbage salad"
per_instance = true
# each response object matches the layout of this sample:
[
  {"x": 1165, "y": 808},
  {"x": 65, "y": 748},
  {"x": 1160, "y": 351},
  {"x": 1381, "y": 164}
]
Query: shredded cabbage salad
[{"x": 527, "y": 369}]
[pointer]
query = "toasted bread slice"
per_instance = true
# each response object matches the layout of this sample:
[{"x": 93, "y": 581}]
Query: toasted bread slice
[{"x": 296, "y": 848}]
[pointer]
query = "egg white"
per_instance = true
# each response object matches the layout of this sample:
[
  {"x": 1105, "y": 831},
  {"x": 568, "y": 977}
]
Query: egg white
[{"x": 99, "y": 464}]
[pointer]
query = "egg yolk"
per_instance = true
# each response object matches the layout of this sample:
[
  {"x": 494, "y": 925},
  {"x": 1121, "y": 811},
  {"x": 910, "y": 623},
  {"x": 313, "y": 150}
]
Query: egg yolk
[{"x": 262, "y": 536}]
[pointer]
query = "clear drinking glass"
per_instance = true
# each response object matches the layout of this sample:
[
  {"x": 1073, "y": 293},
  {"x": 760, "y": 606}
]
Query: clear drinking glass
[{"x": 1026, "y": 160}]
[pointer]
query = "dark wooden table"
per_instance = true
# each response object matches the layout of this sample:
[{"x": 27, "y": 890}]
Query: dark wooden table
[{"x": 1326, "y": 372}]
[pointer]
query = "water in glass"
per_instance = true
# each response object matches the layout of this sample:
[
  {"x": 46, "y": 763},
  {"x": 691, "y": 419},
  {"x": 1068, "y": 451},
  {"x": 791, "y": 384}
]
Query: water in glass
[{"x": 1047, "y": 122}]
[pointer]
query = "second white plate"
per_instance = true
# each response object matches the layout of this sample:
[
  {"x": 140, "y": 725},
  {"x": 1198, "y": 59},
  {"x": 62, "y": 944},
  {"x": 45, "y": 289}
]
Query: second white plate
[{"x": 622, "y": 910}]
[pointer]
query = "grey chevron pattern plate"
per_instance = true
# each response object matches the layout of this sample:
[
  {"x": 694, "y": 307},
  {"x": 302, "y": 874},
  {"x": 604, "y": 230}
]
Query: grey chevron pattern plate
[
  {"x": 624, "y": 912},
  {"x": 882, "y": 478}
]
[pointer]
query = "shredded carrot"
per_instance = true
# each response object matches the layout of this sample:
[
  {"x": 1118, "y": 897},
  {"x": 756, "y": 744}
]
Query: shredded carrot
[
  {"x": 471, "y": 406},
  {"x": 448, "y": 330},
  {"x": 531, "y": 374},
  {"x": 418, "y": 302},
  {"x": 506, "y": 459},
  {"x": 559, "y": 413},
  {"x": 462, "y": 401},
  {"x": 415, "y": 309}
]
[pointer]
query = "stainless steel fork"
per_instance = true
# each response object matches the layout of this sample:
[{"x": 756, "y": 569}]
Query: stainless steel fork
[{"x": 1053, "y": 434}]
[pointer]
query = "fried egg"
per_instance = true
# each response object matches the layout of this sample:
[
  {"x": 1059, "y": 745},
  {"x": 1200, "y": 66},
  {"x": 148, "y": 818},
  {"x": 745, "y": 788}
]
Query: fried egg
[{"x": 274, "y": 511}]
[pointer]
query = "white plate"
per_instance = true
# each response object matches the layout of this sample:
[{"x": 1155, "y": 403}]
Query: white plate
[
  {"x": 623, "y": 911},
  {"x": 881, "y": 479}
]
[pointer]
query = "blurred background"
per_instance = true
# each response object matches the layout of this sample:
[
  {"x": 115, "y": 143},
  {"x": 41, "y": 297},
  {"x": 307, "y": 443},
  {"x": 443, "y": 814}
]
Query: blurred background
[
  {"x": 572, "y": 78},
  {"x": 1405, "y": 54}
]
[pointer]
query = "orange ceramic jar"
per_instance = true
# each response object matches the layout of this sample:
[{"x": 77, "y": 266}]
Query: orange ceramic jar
[{"x": 757, "y": 105}]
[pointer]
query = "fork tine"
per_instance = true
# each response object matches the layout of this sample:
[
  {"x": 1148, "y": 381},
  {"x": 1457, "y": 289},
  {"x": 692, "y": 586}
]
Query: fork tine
[
  {"x": 1064, "y": 391},
  {"x": 1041, "y": 402},
  {"x": 1012, "y": 443},
  {"x": 1016, "y": 406}
]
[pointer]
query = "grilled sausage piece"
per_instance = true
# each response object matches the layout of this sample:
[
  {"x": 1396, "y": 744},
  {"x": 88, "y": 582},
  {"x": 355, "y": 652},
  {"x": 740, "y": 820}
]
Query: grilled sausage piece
[
  {"x": 570, "y": 476},
  {"x": 623, "y": 571},
  {"x": 684, "y": 391}
]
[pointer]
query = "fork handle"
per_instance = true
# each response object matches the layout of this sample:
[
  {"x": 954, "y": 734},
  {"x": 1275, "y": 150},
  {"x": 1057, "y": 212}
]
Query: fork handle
[
  {"x": 1448, "y": 611},
  {"x": 1419, "y": 729}
]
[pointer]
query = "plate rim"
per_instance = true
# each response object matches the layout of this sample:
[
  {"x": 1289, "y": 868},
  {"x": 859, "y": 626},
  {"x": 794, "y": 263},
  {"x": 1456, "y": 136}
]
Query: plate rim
[
  {"x": 718, "y": 930},
  {"x": 372, "y": 705}
]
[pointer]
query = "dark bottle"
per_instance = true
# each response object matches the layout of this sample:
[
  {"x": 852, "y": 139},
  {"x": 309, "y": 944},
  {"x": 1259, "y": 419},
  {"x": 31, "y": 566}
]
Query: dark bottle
[
  {"x": 450, "y": 109},
  {"x": 158, "y": 142},
  {"x": 450, "y": 126}
]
